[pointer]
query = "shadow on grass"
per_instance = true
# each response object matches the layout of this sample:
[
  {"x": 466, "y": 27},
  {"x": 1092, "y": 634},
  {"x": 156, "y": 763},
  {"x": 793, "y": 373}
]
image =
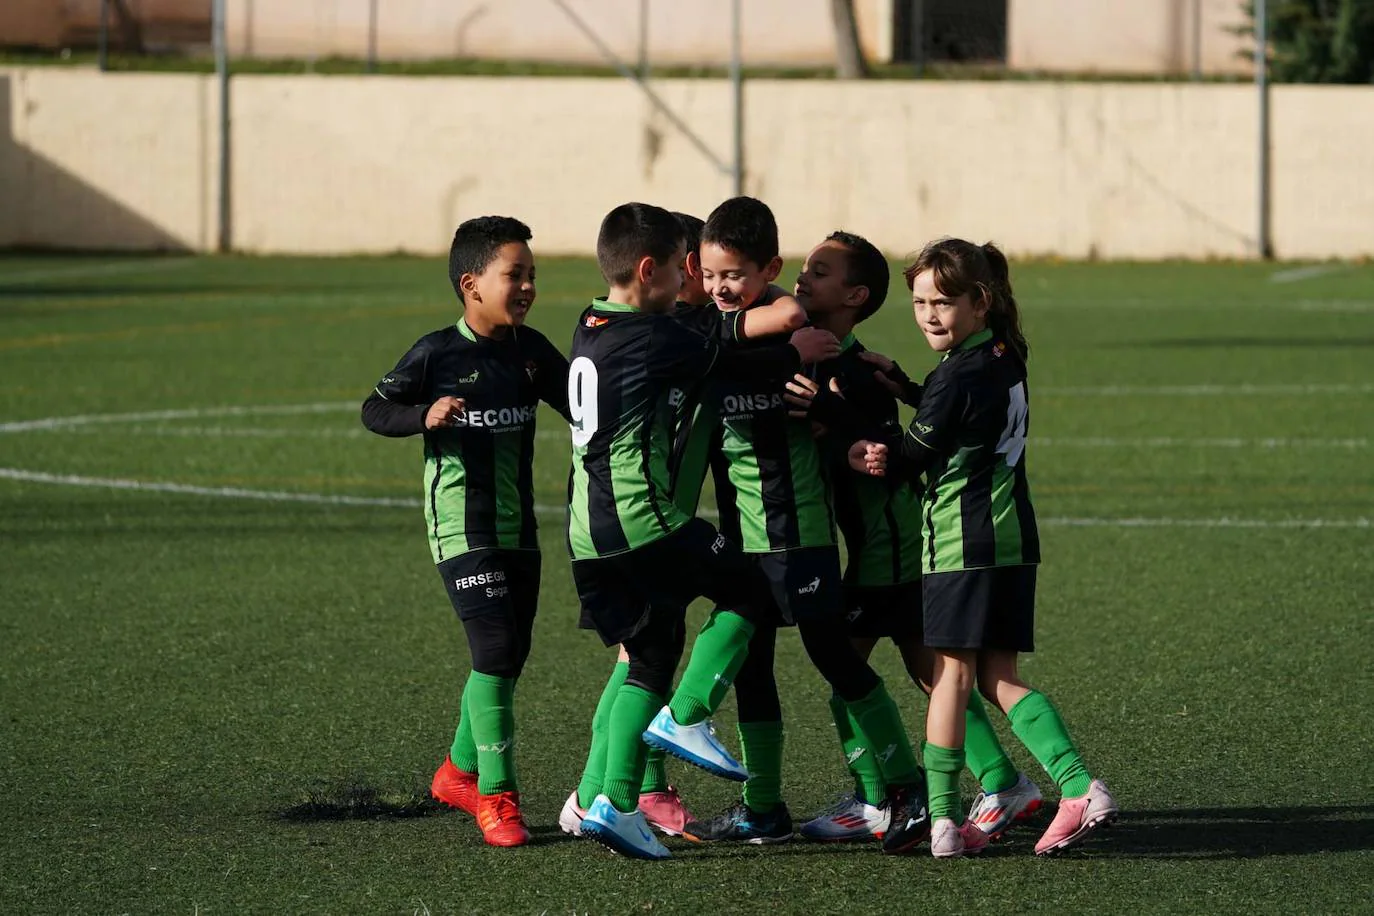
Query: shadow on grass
[
  {"x": 1186, "y": 834},
  {"x": 1239, "y": 833},
  {"x": 354, "y": 799}
]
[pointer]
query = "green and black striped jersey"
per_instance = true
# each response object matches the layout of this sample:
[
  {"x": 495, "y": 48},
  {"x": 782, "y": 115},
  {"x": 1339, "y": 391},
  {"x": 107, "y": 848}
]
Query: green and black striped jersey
[
  {"x": 969, "y": 437},
  {"x": 880, "y": 517},
  {"x": 771, "y": 483},
  {"x": 697, "y": 418},
  {"x": 627, "y": 379},
  {"x": 479, "y": 489}
]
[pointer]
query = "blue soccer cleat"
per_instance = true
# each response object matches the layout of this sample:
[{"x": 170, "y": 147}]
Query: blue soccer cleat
[
  {"x": 696, "y": 744},
  {"x": 627, "y": 834}
]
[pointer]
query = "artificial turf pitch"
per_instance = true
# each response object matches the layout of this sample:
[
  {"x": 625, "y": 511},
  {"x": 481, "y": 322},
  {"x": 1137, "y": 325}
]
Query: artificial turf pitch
[{"x": 228, "y": 669}]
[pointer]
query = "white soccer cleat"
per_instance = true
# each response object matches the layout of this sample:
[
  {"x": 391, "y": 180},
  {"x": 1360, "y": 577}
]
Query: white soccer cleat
[
  {"x": 949, "y": 840},
  {"x": 995, "y": 812},
  {"x": 696, "y": 744},
  {"x": 570, "y": 818},
  {"x": 627, "y": 834},
  {"x": 849, "y": 818}
]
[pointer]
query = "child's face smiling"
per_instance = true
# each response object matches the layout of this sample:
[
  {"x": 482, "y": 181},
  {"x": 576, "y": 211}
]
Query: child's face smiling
[
  {"x": 946, "y": 321},
  {"x": 503, "y": 292},
  {"x": 731, "y": 279},
  {"x": 821, "y": 286}
]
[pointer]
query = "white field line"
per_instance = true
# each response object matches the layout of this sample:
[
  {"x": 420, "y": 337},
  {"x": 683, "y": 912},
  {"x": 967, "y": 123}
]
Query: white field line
[
  {"x": 1311, "y": 272},
  {"x": 190, "y": 413},
  {"x": 145, "y": 265},
  {"x": 281, "y": 496}
]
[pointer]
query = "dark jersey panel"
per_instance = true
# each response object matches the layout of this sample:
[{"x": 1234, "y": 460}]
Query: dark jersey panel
[
  {"x": 626, "y": 366},
  {"x": 880, "y": 518},
  {"x": 478, "y": 473},
  {"x": 969, "y": 438},
  {"x": 775, "y": 467}
]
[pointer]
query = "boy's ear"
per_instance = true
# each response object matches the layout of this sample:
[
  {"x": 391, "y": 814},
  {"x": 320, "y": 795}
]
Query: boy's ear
[
  {"x": 644, "y": 270},
  {"x": 856, "y": 297},
  {"x": 772, "y": 269},
  {"x": 468, "y": 284},
  {"x": 693, "y": 265}
]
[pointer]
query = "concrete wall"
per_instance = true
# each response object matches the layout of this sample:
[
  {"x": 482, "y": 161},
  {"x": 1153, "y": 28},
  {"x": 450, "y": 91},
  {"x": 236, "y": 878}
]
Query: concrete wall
[
  {"x": 695, "y": 32},
  {"x": 1126, "y": 36},
  {"x": 358, "y": 164},
  {"x": 119, "y": 162}
]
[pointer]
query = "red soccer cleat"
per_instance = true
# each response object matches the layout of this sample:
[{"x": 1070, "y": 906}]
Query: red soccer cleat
[
  {"x": 501, "y": 821},
  {"x": 454, "y": 787}
]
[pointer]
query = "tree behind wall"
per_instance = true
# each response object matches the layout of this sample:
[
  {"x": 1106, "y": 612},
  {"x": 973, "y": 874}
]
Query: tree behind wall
[
  {"x": 1320, "y": 41},
  {"x": 849, "y": 57}
]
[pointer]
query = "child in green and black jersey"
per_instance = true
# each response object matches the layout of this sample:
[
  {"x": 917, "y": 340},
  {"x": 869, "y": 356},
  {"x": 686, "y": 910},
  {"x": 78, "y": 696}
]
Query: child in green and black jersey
[
  {"x": 638, "y": 559},
  {"x": 472, "y": 391},
  {"x": 694, "y": 419},
  {"x": 981, "y": 545},
  {"x": 843, "y": 282},
  {"x": 773, "y": 493}
]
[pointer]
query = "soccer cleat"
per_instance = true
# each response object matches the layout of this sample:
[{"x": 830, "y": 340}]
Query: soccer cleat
[
  {"x": 743, "y": 824},
  {"x": 949, "y": 840},
  {"x": 570, "y": 818},
  {"x": 627, "y": 834},
  {"x": 995, "y": 812},
  {"x": 501, "y": 821},
  {"x": 696, "y": 744},
  {"x": 1077, "y": 817},
  {"x": 849, "y": 818},
  {"x": 910, "y": 825},
  {"x": 454, "y": 787},
  {"x": 665, "y": 811}
]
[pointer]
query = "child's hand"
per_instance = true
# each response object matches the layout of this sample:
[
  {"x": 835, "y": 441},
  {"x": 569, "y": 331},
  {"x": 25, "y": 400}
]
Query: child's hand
[
  {"x": 868, "y": 458},
  {"x": 890, "y": 376},
  {"x": 801, "y": 391},
  {"x": 445, "y": 412},
  {"x": 815, "y": 345}
]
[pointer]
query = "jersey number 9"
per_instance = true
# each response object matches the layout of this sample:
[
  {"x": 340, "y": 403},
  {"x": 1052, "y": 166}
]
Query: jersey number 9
[{"x": 582, "y": 400}]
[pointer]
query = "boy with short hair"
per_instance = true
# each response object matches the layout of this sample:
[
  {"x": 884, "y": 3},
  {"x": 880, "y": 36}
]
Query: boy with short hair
[
  {"x": 843, "y": 282},
  {"x": 772, "y": 489},
  {"x": 638, "y": 559},
  {"x": 472, "y": 390},
  {"x": 694, "y": 419}
]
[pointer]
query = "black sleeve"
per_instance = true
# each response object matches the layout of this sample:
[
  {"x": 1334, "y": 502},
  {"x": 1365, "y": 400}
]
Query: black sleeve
[
  {"x": 911, "y": 392},
  {"x": 387, "y": 418},
  {"x": 932, "y": 431},
  {"x": 397, "y": 406},
  {"x": 551, "y": 379},
  {"x": 675, "y": 351},
  {"x": 862, "y": 410}
]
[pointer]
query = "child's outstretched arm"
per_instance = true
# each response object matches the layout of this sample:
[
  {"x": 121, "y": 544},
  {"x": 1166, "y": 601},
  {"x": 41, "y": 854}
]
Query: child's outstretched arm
[
  {"x": 780, "y": 313},
  {"x": 930, "y": 435}
]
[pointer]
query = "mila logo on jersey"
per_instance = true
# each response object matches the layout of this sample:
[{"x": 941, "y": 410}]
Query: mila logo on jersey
[
  {"x": 470, "y": 379},
  {"x": 811, "y": 587}
]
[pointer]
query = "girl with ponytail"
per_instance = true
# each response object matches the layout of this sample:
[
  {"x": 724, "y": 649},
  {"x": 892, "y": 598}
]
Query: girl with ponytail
[{"x": 980, "y": 545}]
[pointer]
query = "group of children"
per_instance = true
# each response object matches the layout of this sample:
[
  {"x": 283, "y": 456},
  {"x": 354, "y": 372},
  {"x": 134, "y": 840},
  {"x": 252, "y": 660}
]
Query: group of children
[{"x": 694, "y": 362}]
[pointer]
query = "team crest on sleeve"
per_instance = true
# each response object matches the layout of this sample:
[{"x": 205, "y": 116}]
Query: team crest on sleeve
[
  {"x": 531, "y": 369},
  {"x": 595, "y": 321}
]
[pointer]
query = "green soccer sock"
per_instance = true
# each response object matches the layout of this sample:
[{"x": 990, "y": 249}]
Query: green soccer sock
[
  {"x": 492, "y": 710},
  {"x": 463, "y": 752},
  {"x": 634, "y": 709},
  {"x": 595, "y": 770},
  {"x": 655, "y": 771},
  {"x": 879, "y": 722},
  {"x": 1036, "y": 722},
  {"x": 986, "y": 759},
  {"x": 863, "y": 766},
  {"x": 761, "y": 748},
  {"x": 716, "y": 656},
  {"x": 942, "y": 780}
]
